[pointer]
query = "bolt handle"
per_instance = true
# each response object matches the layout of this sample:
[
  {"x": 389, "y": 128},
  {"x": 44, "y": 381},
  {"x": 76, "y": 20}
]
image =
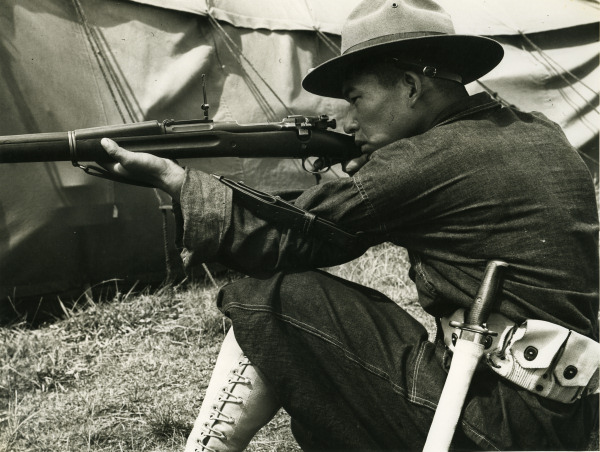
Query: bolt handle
[{"x": 488, "y": 291}]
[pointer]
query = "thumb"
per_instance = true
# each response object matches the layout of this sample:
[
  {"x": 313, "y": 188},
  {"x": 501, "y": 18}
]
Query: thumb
[
  {"x": 121, "y": 157},
  {"x": 112, "y": 148},
  {"x": 109, "y": 145}
]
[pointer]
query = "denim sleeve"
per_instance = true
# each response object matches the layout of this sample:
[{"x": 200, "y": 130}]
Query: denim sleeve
[
  {"x": 216, "y": 229},
  {"x": 205, "y": 217}
]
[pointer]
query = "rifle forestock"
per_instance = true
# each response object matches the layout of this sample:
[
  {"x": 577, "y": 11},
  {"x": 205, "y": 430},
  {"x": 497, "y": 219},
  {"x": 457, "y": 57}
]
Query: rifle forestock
[{"x": 183, "y": 139}]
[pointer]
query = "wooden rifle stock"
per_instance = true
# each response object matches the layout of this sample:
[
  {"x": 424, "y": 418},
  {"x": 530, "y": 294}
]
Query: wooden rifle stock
[{"x": 294, "y": 137}]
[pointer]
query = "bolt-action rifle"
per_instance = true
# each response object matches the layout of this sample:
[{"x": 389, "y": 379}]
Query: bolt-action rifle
[{"x": 296, "y": 136}]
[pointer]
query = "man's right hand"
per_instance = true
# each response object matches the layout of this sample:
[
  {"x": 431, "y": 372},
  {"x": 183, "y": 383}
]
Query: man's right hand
[
  {"x": 156, "y": 171},
  {"x": 352, "y": 166}
]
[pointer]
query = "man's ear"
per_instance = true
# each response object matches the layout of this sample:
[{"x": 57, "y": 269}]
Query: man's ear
[{"x": 413, "y": 82}]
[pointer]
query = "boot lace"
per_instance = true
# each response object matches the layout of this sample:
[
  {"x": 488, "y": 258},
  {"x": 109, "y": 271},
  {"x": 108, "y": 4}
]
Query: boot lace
[{"x": 226, "y": 396}]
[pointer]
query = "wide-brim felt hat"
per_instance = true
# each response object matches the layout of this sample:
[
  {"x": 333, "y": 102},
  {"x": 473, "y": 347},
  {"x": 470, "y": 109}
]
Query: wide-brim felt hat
[{"x": 417, "y": 32}]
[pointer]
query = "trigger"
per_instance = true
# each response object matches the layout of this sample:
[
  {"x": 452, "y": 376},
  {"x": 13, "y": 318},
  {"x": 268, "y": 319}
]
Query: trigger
[{"x": 319, "y": 166}]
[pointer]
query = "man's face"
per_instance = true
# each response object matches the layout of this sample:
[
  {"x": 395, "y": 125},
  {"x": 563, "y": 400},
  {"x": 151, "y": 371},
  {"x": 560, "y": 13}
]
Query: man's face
[{"x": 377, "y": 114}]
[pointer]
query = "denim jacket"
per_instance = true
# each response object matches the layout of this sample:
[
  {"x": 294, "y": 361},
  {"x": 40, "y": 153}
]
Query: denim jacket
[{"x": 486, "y": 182}]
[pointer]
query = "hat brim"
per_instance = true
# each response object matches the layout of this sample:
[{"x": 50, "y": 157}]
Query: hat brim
[{"x": 471, "y": 57}]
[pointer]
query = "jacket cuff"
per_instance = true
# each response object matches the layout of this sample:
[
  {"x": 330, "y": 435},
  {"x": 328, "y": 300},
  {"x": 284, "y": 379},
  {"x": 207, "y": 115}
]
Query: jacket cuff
[{"x": 206, "y": 214}]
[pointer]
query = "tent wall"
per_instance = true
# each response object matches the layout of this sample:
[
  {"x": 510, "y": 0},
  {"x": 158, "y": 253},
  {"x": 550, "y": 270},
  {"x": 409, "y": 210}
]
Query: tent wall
[
  {"x": 482, "y": 17},
  {"x": 61, "y": 229},
  {"x": 551, "y": 46},
  {"x": 555, "y": 72},
  {"x": 68, "y": 64}
]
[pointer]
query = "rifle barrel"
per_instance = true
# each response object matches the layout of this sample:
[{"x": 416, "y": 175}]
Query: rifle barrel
[
  {"x": 235, "y": 141},
  {"x": 54, "y": 146}
]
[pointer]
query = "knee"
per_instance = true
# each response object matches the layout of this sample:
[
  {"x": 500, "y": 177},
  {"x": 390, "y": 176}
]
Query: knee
[{"x": 270, "y": 292}]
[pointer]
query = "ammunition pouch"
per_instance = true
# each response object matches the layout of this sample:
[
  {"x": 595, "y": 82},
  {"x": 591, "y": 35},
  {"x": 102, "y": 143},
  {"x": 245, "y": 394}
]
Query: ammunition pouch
[{"x": 546, "y": 359}]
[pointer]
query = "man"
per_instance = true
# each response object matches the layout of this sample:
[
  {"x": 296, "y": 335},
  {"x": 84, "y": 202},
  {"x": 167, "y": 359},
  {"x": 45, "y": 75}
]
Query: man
[{"x": 458, "y": 181}]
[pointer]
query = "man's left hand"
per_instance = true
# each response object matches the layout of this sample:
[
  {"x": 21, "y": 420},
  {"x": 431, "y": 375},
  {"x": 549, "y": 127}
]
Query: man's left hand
[{"x": 156, "y": 171}]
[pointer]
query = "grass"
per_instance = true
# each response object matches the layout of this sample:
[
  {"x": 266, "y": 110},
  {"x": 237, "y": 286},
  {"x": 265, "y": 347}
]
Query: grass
[{"x": 129, "y": 373}]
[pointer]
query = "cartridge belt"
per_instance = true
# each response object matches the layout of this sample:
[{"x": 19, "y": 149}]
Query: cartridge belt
[
  {"x": 546, "y": 359},
  {"x": 275, "y": 209}
]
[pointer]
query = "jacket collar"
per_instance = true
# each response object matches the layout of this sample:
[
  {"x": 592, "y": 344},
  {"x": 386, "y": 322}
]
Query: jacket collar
[{"x": 466, "y": 107}]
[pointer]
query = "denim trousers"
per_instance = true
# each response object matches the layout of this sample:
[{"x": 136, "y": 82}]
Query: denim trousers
[{"x": 356, "y": 372}]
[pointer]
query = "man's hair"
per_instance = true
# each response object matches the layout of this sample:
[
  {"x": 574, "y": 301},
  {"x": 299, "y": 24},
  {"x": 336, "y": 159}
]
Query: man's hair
[{"x": 389, "y": 70}]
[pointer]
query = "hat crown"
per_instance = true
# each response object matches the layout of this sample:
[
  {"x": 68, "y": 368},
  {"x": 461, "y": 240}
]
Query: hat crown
[
  {"x": 417, "y": 32},
  {"x": 374, "y": 22}
]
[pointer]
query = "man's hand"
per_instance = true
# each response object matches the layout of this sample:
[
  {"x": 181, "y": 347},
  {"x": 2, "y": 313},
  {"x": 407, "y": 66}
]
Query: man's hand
[
  {"x": 156, "y": 171},
  {"x": 352, "y": 166}
]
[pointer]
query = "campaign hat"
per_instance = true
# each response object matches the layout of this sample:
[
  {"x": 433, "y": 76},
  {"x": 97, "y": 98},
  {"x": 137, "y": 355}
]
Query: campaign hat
[{"x": 419, "y": 33}]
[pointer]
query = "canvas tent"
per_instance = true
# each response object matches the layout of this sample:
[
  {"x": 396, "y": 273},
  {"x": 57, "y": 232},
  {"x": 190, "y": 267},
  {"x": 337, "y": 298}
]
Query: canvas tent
[{"x": 68, "y": 64}]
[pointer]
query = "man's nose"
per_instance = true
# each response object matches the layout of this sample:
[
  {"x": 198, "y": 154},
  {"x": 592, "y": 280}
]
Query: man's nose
[{"x": 350, "y": 123}]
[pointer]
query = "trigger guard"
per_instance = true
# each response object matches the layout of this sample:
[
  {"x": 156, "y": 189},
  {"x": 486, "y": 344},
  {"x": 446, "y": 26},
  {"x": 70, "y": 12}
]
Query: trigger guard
[{"x": 322, "y": 171}]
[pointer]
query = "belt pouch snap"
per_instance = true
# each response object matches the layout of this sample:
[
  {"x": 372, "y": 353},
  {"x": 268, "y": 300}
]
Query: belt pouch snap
[{"x": 549, "y": 360}]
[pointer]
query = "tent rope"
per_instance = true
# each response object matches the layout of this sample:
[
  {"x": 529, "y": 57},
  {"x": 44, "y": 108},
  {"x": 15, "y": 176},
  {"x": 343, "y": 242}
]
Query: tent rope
[
  {"x": 327, "y": 40},
  {"x": 254, "y": 89},
  {"x": 496, "y": 95},
  {"x": 104, "y": 65},
  {"x": 127, "y": 112},
  {"x": 559, "y": 70},
  {"x": 552, "y": 65},
  {"x": 163, "y": 210},
  {"x": 239, "y": 54},
  {"x": 120, "y": 80},
  {"x": 558, "y": 65}
]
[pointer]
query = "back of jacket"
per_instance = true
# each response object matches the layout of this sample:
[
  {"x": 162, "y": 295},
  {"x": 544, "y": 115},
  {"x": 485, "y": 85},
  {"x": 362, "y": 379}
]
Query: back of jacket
[{"x": 488, "y": 183}]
